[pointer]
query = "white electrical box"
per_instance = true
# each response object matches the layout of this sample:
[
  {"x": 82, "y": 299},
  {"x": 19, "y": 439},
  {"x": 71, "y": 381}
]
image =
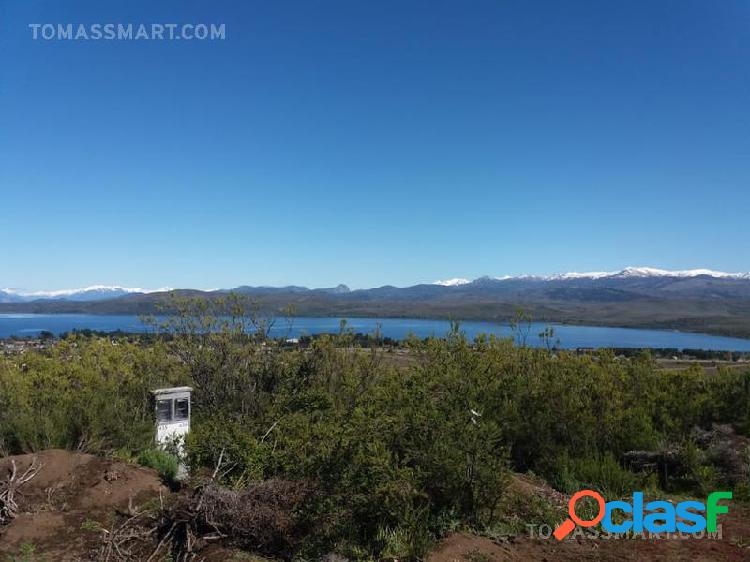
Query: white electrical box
[{"x": 172, "y": 406}]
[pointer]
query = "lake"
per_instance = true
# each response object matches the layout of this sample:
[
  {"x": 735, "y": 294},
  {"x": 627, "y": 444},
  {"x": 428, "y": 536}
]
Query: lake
[{"x": 397, "y": 328}]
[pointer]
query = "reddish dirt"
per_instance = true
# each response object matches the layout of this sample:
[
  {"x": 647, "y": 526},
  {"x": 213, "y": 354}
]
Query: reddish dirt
[
  {"x": 71, "y": 493},
  {"x": 73, "y": 490},
  {"x": 733, "y": 546}
]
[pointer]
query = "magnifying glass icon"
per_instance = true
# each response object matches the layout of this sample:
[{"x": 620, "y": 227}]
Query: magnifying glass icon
[{"x": 569, "y": 524}]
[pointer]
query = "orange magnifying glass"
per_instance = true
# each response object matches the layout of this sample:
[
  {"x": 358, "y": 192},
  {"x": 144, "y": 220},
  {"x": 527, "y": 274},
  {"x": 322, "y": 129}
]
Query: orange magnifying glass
[{"x": 569, "y": 524}]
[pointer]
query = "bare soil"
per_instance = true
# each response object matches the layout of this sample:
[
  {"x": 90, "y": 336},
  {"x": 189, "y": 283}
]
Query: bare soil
[
  {"x": 734, "y": 545},
  {"x": 75, "y": 498},
  {"x": 72, "y": 498},
  {"x": 709, "y": 366}
]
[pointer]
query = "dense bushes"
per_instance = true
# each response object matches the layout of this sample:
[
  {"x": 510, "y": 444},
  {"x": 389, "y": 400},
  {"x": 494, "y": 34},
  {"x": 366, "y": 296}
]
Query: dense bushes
[
  {"x": 165, "y": 463},
  {"x": 397, "y": 451},
  {"x": 602, "y": 472},
  {"x": 87, "y": 394}
]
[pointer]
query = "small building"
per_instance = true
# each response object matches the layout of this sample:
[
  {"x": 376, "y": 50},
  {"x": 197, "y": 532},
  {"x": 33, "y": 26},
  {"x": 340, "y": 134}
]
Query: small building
[{"x": 172, "y": 407}]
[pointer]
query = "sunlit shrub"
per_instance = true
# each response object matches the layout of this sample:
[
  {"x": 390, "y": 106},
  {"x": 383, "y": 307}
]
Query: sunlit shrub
[{"x": 166, "y": 464}]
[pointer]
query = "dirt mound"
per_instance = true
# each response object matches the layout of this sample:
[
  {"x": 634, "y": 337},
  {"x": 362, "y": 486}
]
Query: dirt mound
[
  {"x": 73, "y": 495},
  {"x": 734, "y": 545},
  {"x": 525, "y": 490},
  {"x": 529, "y": 487}
]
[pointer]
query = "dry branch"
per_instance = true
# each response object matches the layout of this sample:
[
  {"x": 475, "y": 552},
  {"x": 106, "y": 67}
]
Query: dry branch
[{"x": 9, "y": 488}]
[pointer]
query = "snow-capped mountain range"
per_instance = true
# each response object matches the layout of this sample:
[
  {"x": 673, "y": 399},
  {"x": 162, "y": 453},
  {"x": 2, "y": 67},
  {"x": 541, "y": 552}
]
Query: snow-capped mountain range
[
  {"x": 107, "y": 292},
  {"x": 455, "y": 282},
  {"x": 93, "y": 293},
  {"x": 627, "y": 273},
  {"x": 701, "y": 300}
]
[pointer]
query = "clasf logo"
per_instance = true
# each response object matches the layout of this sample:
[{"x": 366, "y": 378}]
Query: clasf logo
[{"x": 654, "y": 517}]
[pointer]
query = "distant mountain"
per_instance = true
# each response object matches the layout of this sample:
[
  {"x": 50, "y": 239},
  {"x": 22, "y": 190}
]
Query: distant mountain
[
  {"x": 292, "y": 289},
  {"x": 627, "y": 273},
  {"x": 8, "y": 296},
  {"x": 103, "y": 293},
  {"x": 86, "y": 294},
  {"x": 452, "y": 282},
  {"x": 695, "y": 300}
]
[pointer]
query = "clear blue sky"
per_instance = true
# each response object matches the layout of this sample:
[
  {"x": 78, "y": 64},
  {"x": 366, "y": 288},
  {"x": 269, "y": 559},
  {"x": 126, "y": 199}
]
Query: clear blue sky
[{"x": 373, "y": 142}]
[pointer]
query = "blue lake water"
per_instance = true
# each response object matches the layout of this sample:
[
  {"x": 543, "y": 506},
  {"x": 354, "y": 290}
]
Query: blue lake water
[{"x": 397, "y": 328}]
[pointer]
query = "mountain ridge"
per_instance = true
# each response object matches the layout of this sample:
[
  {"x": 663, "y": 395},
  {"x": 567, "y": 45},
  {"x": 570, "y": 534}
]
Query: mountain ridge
[
  {"x": 93, "y": 292},
  {"x": 690, "y": 301},
  {"x": 628, "y": 272},
  {"x": 103, "y": 292}
]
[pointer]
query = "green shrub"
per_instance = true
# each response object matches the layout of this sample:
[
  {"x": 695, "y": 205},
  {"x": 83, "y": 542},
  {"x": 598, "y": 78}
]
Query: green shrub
[
  {"x": 166, "y": 464},
  {"x": 408, "y": 542},
  {"x": 91, "y": 525},
  {"x": 89, "y": 394},
  {"x": 602, "y": 473},
  {"x": 401, "y": 451}
]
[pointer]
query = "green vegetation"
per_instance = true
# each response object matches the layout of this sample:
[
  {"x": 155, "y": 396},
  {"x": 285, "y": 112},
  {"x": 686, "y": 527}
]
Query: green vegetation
[
  {"x": 166, "y": 464},
  {"x": 397, "y": 454},
  {"x": 27, "y": 553},
  {"x": 91, "y": 525},
  {"x": 86, "y": 394},
  {"x": 476, "y": 556}
]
